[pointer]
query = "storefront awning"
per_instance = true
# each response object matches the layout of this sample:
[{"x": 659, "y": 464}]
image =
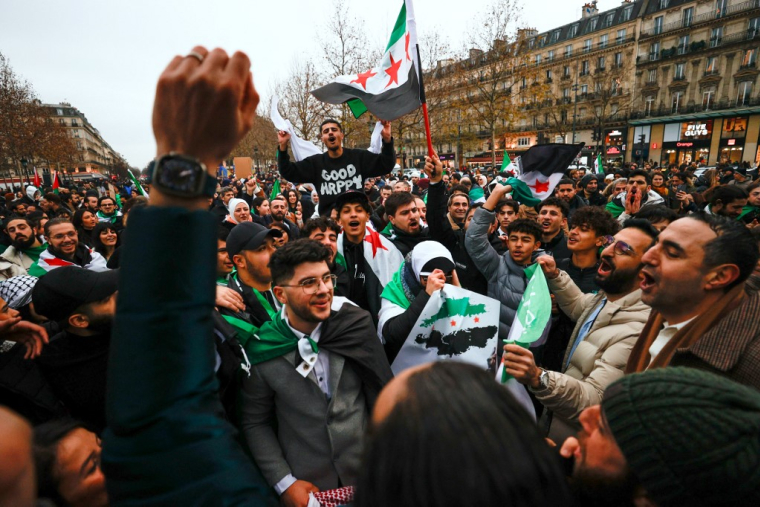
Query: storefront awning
[{"x": 697, "y": 116}]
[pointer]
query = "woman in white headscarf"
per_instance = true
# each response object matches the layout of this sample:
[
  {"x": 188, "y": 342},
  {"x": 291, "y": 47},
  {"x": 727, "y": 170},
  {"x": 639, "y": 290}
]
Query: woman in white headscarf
[
  {"x": 239, "y": 212},
  {"x": 426, "y": 269}
]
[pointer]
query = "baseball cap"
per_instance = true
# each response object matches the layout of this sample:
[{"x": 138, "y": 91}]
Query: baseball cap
[
  {"x": 248, "y": 236},
  {"x": 60, "y": 292},
  {"x": 352, "y": 196}
]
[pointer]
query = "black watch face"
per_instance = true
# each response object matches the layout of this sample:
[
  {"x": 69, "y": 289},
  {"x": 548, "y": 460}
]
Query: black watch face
[{"x": 180, "y": 176}]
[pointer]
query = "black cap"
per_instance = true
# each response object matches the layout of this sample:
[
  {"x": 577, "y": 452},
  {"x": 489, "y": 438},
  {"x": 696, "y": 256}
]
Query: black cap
[
  {"x": 248, "y": 236},
  {"x": 441, "y": 263},
  {"x": 350, "y": 197},
  {"x": 60, "y": 292}
]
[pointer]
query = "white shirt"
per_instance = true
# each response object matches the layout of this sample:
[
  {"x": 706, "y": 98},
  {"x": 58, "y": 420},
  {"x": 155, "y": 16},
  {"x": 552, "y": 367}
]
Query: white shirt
[{"x": 666, "y": 334}]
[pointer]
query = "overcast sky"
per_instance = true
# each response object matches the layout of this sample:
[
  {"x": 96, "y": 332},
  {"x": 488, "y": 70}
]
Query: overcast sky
[{"x": 104, "y": 57}]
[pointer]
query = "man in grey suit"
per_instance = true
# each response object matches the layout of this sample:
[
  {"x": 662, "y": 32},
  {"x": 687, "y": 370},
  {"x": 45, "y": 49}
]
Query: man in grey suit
[{"x": 317, "y": 369}]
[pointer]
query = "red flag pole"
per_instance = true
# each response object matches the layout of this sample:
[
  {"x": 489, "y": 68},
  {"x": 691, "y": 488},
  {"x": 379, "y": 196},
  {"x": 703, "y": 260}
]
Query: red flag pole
[{"x": 423, "y": 99}]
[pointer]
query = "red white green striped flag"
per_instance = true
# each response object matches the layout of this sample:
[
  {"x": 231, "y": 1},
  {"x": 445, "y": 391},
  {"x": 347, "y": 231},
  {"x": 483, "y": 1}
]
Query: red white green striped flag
[
  {"x": 55, "y": 182},
  {"x": 392, "y": 88}
]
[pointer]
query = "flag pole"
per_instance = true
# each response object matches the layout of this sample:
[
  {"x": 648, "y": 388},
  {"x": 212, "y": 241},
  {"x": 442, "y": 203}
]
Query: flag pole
[{"x": 424, "y": 105}]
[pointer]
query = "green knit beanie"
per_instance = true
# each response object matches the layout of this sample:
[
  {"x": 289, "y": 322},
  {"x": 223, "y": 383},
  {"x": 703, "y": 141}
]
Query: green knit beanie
[{"x": 691, "y": 437}]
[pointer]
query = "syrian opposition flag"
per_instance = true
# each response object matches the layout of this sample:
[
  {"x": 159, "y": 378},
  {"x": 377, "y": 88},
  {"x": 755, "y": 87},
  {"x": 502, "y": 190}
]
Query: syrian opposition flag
[
  {"x": 56, "y": 184},
  {"x": 381, "y": 255},
  {"x": 598, "y": 164},
  {"x": 392, "y": 88},
  {"x": 540, "y": 169},
  {"x": 49, "y": 262},
  {"x": 456, "y": 324}
]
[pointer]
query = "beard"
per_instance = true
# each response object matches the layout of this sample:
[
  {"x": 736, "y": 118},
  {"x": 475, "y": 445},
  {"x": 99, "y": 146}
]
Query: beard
[
  {"x": 593, "y": 488},
  {"x": 22, "y": 243},
  {"x": 619, "y": 280},
  {"x": 279, "y": 217},
  {"x": 100, "y": 324}
]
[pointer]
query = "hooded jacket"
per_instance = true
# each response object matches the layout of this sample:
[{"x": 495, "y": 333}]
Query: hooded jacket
[
  {"x": 617, "y": 205},
  {"x": 506, "y": 279}
]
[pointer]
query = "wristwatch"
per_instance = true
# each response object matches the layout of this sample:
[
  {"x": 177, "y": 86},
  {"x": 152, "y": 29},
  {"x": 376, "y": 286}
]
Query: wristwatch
[
  {"x": 543, "y": 380},
  {"x": 181, "y": 176}
]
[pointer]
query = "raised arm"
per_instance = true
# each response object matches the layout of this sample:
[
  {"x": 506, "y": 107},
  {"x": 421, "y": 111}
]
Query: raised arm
[{"x": 440, "y": 228}]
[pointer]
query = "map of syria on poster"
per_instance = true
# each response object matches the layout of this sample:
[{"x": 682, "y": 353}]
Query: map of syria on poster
[{"x": 456, "y": 324}]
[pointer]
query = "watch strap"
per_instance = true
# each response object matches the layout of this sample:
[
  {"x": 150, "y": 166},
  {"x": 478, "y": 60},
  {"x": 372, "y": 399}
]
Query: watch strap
[{"x": 209, "y": 183}]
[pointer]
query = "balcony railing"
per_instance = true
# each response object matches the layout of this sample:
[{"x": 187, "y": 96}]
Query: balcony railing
[
  {"x": 599, "y": 70},
  {"x": 679, "y": 78},
  {"x": 724, "y": 104},
  {"x": 708, "y": 16},
  {"x": 698, "y": 46}
]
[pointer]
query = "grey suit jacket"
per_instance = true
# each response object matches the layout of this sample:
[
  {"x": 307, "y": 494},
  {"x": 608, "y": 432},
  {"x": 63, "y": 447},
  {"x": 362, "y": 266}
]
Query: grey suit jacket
[{"x": 315, "y": 440}]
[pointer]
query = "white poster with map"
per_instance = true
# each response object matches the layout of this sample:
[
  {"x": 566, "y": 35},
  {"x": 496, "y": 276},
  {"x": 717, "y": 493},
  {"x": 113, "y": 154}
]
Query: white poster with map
[{"x": 456, "y": 324}]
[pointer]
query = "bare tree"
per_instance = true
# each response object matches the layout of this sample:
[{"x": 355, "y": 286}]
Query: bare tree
[
  {"x": 611, "y": 100},
  {"x": 296, "y": 102},
  {"x": 493, "y": 74}
]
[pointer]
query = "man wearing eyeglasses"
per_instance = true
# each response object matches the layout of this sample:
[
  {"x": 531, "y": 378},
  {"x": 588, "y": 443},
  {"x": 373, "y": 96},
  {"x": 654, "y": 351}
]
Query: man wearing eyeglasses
[
  {"x": 607, "y": 326},
  {"x": 317, "y": 369}
]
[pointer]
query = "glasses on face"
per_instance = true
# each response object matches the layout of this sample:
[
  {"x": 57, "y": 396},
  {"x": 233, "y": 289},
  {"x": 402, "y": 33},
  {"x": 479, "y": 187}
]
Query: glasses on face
[
  {"x": 310, "y": 286},
  {"x": 620, "y": 247}
]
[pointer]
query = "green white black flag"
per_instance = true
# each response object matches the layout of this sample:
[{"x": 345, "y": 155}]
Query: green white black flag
[{"x": 456, "y": 324}]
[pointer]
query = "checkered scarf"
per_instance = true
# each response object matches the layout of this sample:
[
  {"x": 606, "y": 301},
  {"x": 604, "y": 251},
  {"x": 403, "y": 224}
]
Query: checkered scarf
[{"x": 17, "y": 290}]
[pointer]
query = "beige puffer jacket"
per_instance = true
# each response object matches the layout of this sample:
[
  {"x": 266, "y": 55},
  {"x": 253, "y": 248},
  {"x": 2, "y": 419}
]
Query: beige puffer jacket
[{"x": 598, "y": 360}]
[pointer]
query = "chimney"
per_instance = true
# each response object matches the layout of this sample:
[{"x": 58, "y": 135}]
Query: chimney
[{"x": 589, "y": 10}]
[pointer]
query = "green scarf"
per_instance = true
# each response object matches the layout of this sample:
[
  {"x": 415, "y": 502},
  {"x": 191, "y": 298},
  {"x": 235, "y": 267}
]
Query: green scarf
[
  {"x": 339, "y": 259},
  {"x": 394, "y": 291},
  {"x": 267, "y": 306},
  {"x": 614, "y": 209},
  {"x": 222, "y": 280},
  {"x": 274, "y": 339},
  {"x": 112, "y": 218},
  {"x": 388, "y": 231},
  {"x": 35, "y": 251},
  {"x": 746, "y": 210}
]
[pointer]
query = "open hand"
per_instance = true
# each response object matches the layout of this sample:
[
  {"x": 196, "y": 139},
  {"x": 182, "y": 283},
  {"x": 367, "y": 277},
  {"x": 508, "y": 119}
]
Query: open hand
[
  {"x": 30, "y": 335},
  {"x": 228, "y": 298}
]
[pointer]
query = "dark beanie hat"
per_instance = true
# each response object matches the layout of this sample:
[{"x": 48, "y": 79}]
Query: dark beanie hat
[
  {"x": 587, "y": 179},
  {"x": 691, "y": 437}
]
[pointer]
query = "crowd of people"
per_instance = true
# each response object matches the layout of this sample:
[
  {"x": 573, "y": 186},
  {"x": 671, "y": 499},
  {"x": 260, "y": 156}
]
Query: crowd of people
[{"x": 234, "y": 346}]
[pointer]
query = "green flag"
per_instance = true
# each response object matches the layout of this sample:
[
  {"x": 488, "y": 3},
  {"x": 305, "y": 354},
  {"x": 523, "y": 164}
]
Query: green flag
[
  {"x": 275, "y": 190},
  {"x": 533, "y": 313},
  {"x": 598, "y": 164},
  {"x": 506, "y": 162},
  {"x": 136, "y": 183}
]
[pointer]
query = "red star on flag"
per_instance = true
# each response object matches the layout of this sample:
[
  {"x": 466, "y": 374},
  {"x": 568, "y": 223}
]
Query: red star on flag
[
  {"x": 407, "y": 47},
  {"x": 453, "y": 323},
  {"x": 477, "y": 319},
  {"x": 362, "y": 78},
  {"x": 540, "y": 186},
  {"x": 392, "y": 71},
  {"x": 373, "y": 238}
]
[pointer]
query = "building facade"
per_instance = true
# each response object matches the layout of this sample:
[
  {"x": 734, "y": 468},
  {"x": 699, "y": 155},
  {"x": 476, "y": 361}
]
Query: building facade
[
  {"x": 95, "y": 154},
  {"x": 673, "y": 81}
]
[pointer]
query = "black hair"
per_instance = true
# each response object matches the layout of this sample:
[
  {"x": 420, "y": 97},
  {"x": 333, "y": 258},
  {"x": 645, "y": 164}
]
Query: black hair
[
  {"x": 46, "y": 439},
  {"x": 396, "y": 200},
  {"x": 256, "y": 203},
  {"x": 473, "y": 207},
  {"x": 222, "y": 233},
  {"x": 13, "y": 218},
  {"x": 77, "y": 218},
  {"x": 16, "y": 203},
  {"x": 100, "y": 201},
  {"x": 526, "y": 226},
  {"x": 53, "y": 222},
  {"x": 321, "y": 223},
  {"x": 134, "y": 202},
  {"x": 286, "y": 259},
  {"x": 753, "y": 186},
  {"x": 727, "y": 194},
  {"x": 507, "y": 202},
  {"x": 456, "y": 437},
  {"x": 99, "y": 228},
  {"x": 644, "y": 226},
  {"x": 566, "y": 181},
  {"x": 359, "y": 198},
  {"x": 461, "y": 189},
  {"x": 596, "y": 218},
  {"x": 734, "y": 245},
  {"x": 51, "y": 197},
  {"x": 557, "y": 203},
  {"x": 458, "y": 194},
  {"x": 641, "y": 172},
  {"x": 330, "y": 120},
  {"x": 657, "y": 213}
]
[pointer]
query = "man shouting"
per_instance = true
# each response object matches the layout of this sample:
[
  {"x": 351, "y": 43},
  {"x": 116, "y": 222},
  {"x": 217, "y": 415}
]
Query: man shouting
[{"x": 339, "y": 169}]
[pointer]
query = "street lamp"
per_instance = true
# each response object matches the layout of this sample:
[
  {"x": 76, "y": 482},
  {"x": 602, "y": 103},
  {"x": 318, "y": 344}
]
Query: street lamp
[{"x": 575, "y": 100}]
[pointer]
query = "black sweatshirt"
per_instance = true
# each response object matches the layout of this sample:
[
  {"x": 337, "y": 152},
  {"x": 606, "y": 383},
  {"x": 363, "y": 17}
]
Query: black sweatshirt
[{"x": 334, "y": 176}]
